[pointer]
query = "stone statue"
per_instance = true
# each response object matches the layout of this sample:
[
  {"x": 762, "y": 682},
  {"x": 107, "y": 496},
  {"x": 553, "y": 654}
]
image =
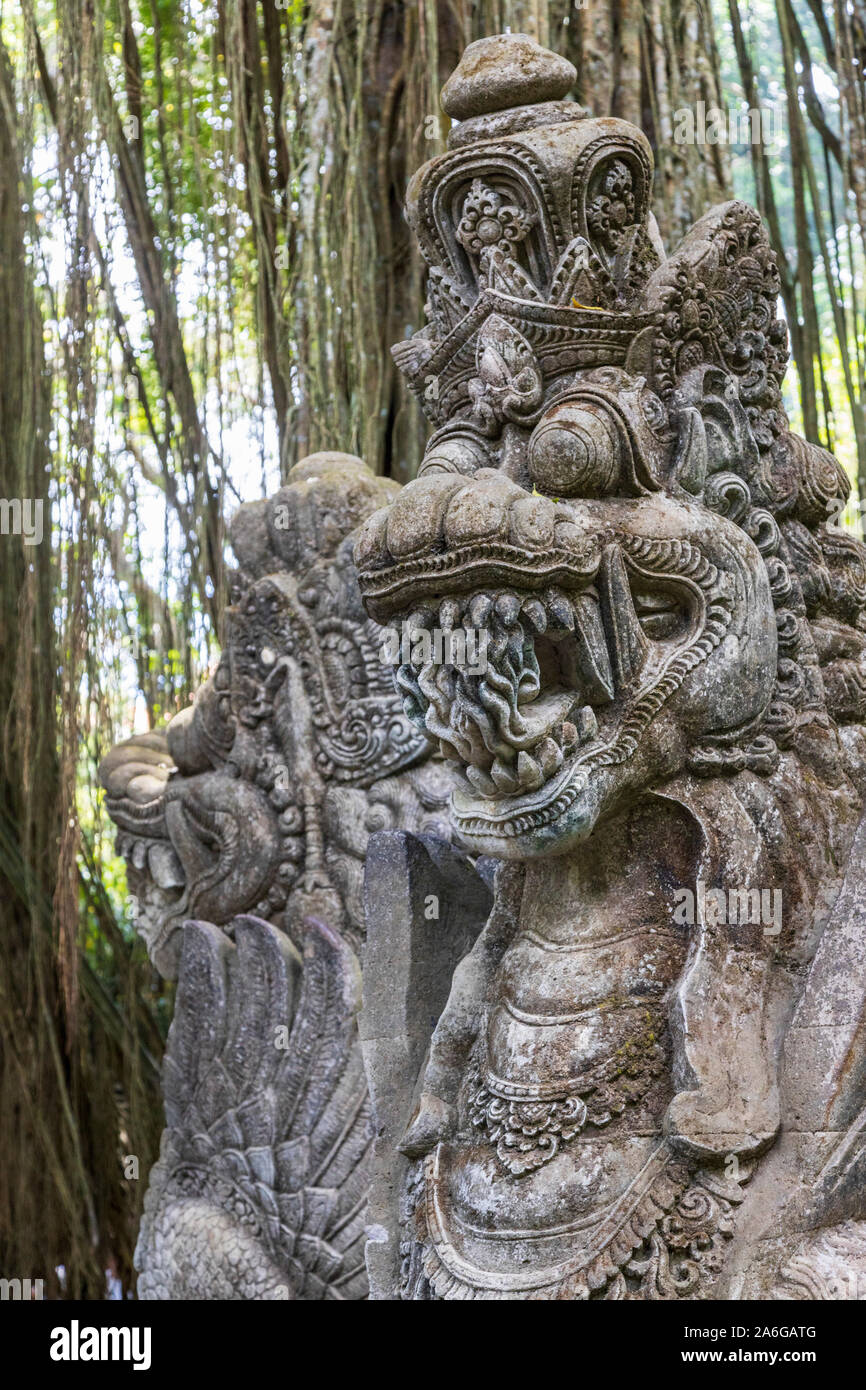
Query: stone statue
[
  {"x": 647, "y": 1081},
  {"x": 259, "y": 799}
]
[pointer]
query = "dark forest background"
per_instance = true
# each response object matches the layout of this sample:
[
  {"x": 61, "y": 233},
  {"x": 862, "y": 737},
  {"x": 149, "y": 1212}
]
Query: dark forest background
[{"x": 203, "y": 263}]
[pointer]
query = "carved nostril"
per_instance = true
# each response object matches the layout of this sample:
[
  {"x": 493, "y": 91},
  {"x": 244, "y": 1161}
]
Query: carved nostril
[
  {"x": 478, "y": 514},
  {"x": 371, "y": 542},
  {"x": 576, "y": 451},
  {"x": 532, "y": 521},
  {"x": 415, "y": 518}
]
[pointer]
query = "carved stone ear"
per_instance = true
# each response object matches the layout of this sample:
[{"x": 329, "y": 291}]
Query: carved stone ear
[
  {"x": 714, "y": 433},
  {"x": 691, "y": 452}
]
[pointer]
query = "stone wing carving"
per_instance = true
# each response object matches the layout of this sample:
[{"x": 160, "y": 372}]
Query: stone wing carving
[{"x": 260, "y": 1188}]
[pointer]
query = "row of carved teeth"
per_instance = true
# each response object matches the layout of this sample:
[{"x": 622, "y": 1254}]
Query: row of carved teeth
[
  {"x": 515, "y": 772},
  {"x": 548, "y": 611},
  {"x": 523, "y": 771},
  {"x": 526, "y": 821}
]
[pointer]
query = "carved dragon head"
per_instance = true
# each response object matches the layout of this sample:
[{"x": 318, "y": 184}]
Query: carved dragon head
[
  {"x": 266, "y": 788},
  {"x": 625, "y": 633},
  {"x": 611, "y": 492}
]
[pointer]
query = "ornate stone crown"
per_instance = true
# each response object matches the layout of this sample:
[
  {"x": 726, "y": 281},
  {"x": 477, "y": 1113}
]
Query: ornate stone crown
[{"x": 537, "y": 229}]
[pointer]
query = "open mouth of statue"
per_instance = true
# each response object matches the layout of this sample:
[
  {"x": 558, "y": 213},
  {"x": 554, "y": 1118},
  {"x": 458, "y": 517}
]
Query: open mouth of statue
[
  {"x": 565, "y": 653},
  {"x": 512, "y": 684}
]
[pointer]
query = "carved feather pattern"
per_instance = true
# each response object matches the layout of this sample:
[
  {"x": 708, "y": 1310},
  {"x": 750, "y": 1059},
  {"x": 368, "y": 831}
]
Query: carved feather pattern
[{"x": 268, "y": 1120}]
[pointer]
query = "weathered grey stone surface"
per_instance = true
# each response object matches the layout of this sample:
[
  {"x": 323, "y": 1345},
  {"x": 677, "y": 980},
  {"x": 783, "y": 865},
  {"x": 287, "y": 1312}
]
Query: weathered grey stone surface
[
  {"x": 425, "y": 906},
  {"x": 260, "y": 799},
  {"x": 260, "y": 1190},
  {"x": 502, "y": 72},
  {"x": 620, "y": 1102}
]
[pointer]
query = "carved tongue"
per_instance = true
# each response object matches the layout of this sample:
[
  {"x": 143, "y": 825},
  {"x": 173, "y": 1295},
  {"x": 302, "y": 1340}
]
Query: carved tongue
[{"x": 495, "y": 720}]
